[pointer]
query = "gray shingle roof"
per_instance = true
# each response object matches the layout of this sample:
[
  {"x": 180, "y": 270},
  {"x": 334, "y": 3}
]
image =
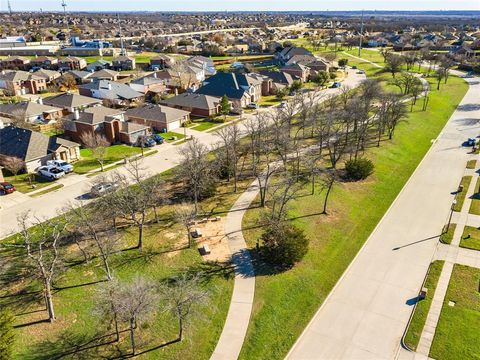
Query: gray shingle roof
[
  {"x": 230, "y": 84},
  {"x": 28, "y": 108},
  {"x": 115, "y": 91},
  {"x": 199, "y": 101},
  {"x": 95, "y": 115},
  {"x": 69, "y": 100},
  {"x": 29, "y": 145},
  {"x": 157, "y": 113}
]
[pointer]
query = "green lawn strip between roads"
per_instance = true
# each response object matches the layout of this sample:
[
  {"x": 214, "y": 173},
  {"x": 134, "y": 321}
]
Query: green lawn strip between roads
[
  {"x": 471, "y": 164},
  {"x": 460, "y": 198},
  {"x": 46, "y": 191},
  {"x": 288, "y": 300},
  {"x": 458, "y": 329},
  {"x": 475, "y": 204},
  {"x": 422, "y": 308},
  {"x": 470, "y": 238}
]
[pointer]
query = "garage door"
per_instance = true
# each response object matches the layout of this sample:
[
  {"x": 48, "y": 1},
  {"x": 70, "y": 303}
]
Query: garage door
[{"x": 173, "y": 125}]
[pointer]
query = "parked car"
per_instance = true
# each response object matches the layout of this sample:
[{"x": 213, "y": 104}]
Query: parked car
[
  {"x": 252, "y": 106},
  {"x": 103, "y": 188},
  {"x": 361, "y": 72},
  {"x": 335, "y": 85},
  {"x": 354, "y": 67},
  {"x": 145, "y": 141},
  {"x": 282, "y": 105},
  {"x": 50, "y": 172},
  {"x": 470, "y": 142},
  {"x": 61, "y": 164},
  {"x": 157, "y": 138},
  {"x": 6, "y": 188}
]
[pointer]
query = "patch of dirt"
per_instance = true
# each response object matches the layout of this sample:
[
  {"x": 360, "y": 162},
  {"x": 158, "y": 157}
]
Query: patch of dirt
[{"x": 214, "y": 235}]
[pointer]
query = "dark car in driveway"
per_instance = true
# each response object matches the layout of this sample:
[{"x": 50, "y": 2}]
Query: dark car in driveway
[
  {"x": 158, "y": 139},
  {"x": 145, "y": 141},
  {"x": 6, "y": 188}
]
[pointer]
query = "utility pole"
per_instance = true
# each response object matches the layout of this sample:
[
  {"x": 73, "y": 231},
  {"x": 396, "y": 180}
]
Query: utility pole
[
  {"x": 361, "y": 38},
  {"x": 9, "y": 7},
  {"x": 64, "y": 5},
  {"x": 122, "y": 51}
]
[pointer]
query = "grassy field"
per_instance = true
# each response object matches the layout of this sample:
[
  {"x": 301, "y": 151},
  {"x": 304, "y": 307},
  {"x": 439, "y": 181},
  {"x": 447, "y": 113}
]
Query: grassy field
[
  {"x": 46, "y": 191},
  {"x": 456, "y": 336},
  {"x": 447, "y": 235},
  {"x": 114, "y": 153},
  {"x": 267, "y": 101},
  {"x": 422, "y": 308},
  {"x": 204, "y": 125},
  {"x": 164, "y": 255},
  {"x": 168, "y": 135},
  {"x": 475, "y": 204},
  {"x": 288, "y": 300},
  {"x": 461, "y": 195},
  {"x": 23, "y": 185},
  {"x": 470, "y": 238}
]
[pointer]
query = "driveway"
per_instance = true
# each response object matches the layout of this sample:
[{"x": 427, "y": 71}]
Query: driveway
[
  {"x": 366, "y": 313},
  {"x": 49, "y": 205}
]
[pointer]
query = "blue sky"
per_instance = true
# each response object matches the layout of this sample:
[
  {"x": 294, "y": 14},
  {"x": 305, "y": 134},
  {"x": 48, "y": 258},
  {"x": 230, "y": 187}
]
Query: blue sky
[{"x": 252, "y": 5}]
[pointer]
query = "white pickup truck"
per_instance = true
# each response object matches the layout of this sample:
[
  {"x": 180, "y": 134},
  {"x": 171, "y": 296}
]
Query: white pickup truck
[
  {"x": 50, "y": 172},
  {"x": 62, "y": 165}
]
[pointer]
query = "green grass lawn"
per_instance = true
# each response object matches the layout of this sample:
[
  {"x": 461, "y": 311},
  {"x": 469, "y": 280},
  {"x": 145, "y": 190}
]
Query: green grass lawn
[
  {"x": 204, "y": 125},
  {"x": 412, "y": 337},
  {"x": 46, "y": 191},
  {"x": 168, "y": 135},
  {"x": 458, "y": 329},
  {"x": 164, "y": 255},
  {"x": 470, "y": 238},
  {"x": 461, "y": 195},
  {"x": 114, "y": 153},
  {"x": 270, "y": 100},
  {"x": 288, "y": 300},
  {"x": 23, "y": 184},
  {"x": 447, "y": 235},
  {"x": 475, "y": 204},
  {"x": 471, "y": 164}
]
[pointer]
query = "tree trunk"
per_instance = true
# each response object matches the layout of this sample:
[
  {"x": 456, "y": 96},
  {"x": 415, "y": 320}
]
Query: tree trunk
[
  {"x": 326, "y": 198},
  {"x": 49, "y": 301},
  {"x": 132, "y": 334},
  {"x": 180, "y": 326},
  {"x": 115, "y": 323},
  {"x": 140, "y": 234}
]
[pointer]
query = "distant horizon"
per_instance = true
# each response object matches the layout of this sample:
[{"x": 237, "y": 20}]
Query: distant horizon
[{"x": 193, "y": 6}]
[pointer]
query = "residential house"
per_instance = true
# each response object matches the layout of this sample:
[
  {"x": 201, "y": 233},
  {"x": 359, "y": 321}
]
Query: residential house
[
  {"x": 149, "y": 84},
  {"x": 197, "y": 104},
  {"x": 104, "y": 74},
  {"x": 31, "y": 112},
  {"x": 44, "y": 62},
  {"x": 35, "y": 148},
  {"x": 290, "y": 51},
  {"x": 69, "y": 102},
  {"x": 99, "y": 65},
  {"x": 123, "y": 63},
  {"x": 72, "y": 63},
  {"x": 280, "y": 79},
  {"x": 106, "y": 121},
  {"x": 300, "y": 71},
  {"x": 48, "y": 75},
  {"x": 21, "y": 82},
  {"x": 159, "y": 118},
  {"x": 119, "y": 93},
  {"x": 241, "y": 89},
  {"x": 80, "y": 76},
  {"x": 183, "y": 77},
  {"x": 204, "y": 63},
  {"x": 15, "y": 63},
  {"x": 161, "y": 62}
]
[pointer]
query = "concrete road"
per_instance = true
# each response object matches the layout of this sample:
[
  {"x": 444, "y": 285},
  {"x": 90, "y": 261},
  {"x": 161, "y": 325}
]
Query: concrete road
[
  {"x": 76, "y": 187},
  {"x": 366, "y": 313}
]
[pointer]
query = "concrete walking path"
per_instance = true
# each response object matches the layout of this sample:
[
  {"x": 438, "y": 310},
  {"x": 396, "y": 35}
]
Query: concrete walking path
[
  {"x": 231, "y": 340},
  {"x": 366, "y": 313}
]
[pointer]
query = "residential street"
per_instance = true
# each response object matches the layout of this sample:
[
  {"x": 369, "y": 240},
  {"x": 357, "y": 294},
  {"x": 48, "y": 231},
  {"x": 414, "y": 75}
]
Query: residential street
[
  {"x": 76, "y": 186},
  {"x": 366, "y": 313}
]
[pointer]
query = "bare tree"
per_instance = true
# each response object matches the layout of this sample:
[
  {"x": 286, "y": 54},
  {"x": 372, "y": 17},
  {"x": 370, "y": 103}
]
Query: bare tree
[
  {"x": 98, "y": 145},
  {"x": 185, "y": 214},
  {"x": 13, "y": 164},
  {"x": 131, "y": 303},
  {"x": 41, "y": 244},
  {"x": 230, "y": 138},
  {"x": 195, "y": 170},
  {"x": 281, "y": 193},
  {"x": 19, "y": 119},
  {"x": 328, "y": 179},
  {"x": 90, "y": 222},
  {"x": 394, "y": 64},
  {"x": 183, "y": 295}
]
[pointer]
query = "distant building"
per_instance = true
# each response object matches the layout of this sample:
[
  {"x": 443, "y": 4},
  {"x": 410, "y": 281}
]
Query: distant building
[{"x": 123, "y": 63}]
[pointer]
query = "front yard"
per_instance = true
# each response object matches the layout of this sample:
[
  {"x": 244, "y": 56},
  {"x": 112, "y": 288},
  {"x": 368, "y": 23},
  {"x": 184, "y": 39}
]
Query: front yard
[
  {"x": 114, "y": 153},
  {"x": 23, "y": 184}
]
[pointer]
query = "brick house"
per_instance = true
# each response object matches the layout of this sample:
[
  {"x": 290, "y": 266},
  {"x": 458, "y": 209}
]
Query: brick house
[
  {"x": 72, "y": 63},
  {"x": 197, "y": 104},
  {"x": 69, "y": 102},
  {"x": 21, "y": 82},
  {"x": 15, "y": 63},
  {"x": 44, "y": 62},
  {"x": 158, "y": 117},
  {"x": 123, "y": 63}
]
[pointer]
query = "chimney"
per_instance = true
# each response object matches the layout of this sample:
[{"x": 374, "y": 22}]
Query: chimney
[
  {"x": 76, "y": 114},
  {"x": 40, "y": 100}
]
